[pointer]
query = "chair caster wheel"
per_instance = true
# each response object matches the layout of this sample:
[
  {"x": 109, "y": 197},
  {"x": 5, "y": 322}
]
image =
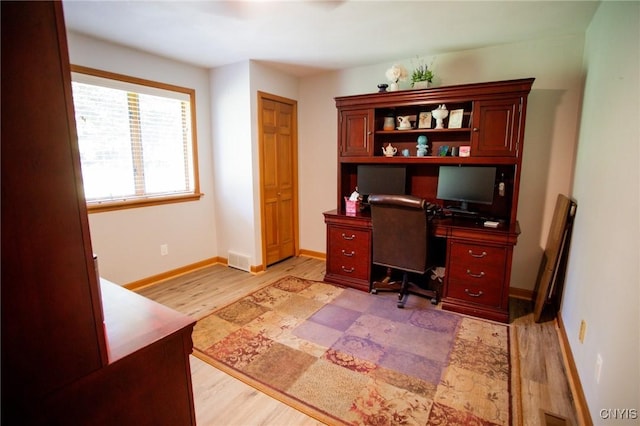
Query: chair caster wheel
[
  {"x": 374, "y": 291},
  {"x": 401, "y": 305},
  {"x": 434, "y": 301}
]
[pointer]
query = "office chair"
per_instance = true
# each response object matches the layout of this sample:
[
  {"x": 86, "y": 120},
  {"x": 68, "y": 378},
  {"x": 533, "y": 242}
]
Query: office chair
[{"x": 400, "y": 239}]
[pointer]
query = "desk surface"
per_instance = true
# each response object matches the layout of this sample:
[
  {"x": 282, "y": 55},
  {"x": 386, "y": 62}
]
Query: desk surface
[
  {"x": 444, "y": 226},
  {"x": 133, "y": 322}
]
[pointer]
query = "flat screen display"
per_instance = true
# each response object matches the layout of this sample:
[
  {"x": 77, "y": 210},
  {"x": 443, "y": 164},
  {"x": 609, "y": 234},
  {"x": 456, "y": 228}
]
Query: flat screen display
[
  {"x": 467, "y": 184},
  {"x": 381, "y": 179}
]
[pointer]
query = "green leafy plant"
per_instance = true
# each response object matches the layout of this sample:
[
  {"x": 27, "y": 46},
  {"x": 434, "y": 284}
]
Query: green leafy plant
[{"x": 421, "y": 73}]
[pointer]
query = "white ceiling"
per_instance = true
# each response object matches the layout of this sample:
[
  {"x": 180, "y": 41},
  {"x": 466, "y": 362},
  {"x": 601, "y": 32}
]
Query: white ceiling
[{"x": 306, "y": 37}]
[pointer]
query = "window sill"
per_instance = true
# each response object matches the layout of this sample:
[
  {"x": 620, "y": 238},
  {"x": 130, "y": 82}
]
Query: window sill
[{"x": 98, "y": 207}]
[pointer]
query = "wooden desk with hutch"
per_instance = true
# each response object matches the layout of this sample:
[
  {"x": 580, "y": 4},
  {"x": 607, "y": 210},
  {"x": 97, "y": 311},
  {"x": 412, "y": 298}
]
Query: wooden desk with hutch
[{"x": 478, "y": 259}]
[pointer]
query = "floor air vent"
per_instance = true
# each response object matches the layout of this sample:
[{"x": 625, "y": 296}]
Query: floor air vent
[{"x": 239, "y": 261}]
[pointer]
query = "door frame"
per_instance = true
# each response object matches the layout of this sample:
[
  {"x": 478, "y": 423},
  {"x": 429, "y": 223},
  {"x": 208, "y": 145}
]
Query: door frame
[{"x": 294, "y": 168}]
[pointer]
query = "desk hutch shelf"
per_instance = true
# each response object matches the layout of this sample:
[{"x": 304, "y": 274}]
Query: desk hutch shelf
[{"x": 491, "y": 128}]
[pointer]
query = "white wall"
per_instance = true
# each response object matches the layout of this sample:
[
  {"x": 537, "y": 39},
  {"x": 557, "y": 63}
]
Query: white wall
[
  {"x": 127, "y": 242},
  {"x": 234, "y": 121},
  {"x": 232, "y": 158},
  {"x": 603, "y": 278},
  {"x": 549, "y": 146}
]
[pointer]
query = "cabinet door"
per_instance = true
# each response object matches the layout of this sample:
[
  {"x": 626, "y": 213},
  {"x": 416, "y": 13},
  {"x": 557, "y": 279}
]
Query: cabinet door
[
  {"x": 356, "y": 132},
  {"x": 496, "y": 128}
]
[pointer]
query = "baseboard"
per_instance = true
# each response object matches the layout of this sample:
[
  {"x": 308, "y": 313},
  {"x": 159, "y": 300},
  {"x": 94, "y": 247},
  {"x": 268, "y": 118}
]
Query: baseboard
[
  {"x": 313, "y": 254},
  {"x": 154, "y": 279},
  {"x": 255, "y": 269},
  {"x": 520, "y": 293},
  {"x": 582, "y": 409}
]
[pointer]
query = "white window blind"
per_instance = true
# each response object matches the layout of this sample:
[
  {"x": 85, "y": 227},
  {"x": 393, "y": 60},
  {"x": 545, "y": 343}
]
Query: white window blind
[{"x": 136, "y": 140}]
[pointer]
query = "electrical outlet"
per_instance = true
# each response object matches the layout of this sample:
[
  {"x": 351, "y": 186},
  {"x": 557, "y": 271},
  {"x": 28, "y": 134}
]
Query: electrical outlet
[
  {"x": 583, "y": 331},
  {"x": 164, "y": 249},
  {"x": 598, "y": 368}
]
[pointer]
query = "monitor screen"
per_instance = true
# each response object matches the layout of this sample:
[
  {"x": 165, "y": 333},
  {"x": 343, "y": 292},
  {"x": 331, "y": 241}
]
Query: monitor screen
[
  {"x": 470, "y": 184},
  {"x": 381, "y": 179}
]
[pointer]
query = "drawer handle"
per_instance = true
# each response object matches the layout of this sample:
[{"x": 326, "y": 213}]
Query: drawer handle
[
  {"x": 348, "y": 254},
  {"x": 348, "y": 237},
  {"x": 471, "y": 274},
  {"x": 478, "y": 294},
  {"x": 348, "y": 270},
  {"x": 483, "y": 254}
]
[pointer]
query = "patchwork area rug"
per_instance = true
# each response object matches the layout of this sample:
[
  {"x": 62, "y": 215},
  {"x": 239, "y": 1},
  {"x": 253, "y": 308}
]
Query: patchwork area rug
[{"x": 344, "y": 356}]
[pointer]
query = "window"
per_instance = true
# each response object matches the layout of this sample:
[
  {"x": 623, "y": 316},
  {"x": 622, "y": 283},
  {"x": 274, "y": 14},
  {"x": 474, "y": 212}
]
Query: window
[{"x": 136, "y": 139}]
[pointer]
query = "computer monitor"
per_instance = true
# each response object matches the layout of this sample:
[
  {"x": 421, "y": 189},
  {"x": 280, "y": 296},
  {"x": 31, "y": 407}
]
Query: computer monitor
[
  {"x": 466, "y": 184},
  {"x": 381, "y": 179}
]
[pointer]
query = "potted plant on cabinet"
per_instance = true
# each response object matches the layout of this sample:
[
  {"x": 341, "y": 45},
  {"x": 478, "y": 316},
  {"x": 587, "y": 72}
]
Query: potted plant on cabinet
[{"x": 421, "y": 76}]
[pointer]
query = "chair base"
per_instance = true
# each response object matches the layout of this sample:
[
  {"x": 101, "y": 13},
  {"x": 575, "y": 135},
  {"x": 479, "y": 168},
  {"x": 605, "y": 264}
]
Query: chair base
[
  {"x": 412, "y": 288},
  {"x": 405, "y": 288},
  {"x": 386, "y": 284}
]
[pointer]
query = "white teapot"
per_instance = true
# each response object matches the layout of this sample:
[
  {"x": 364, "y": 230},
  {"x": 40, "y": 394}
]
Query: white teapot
[
  {"x": 389, "y": 151},
  {"x": 404, "y": 122}
]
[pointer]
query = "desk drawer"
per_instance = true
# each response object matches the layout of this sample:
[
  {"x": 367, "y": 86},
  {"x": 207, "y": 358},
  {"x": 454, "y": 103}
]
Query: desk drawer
[
  {"x": 349, "y": 252},
  {"x": 482, "y": 293},
  {"x": 349, "y": 239},
  {"x": 479, "y": 264}
]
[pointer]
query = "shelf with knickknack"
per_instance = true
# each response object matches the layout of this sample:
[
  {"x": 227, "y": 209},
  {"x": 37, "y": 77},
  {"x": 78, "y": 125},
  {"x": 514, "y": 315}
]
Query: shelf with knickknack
[
  {"x": 404, "y": 126},
  {"x": 483, "y": 126},
  {"x": 490, "y": 120}
]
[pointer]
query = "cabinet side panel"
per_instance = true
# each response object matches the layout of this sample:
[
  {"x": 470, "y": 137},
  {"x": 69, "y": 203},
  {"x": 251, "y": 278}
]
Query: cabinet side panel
[{"x": 51, "y": 324}]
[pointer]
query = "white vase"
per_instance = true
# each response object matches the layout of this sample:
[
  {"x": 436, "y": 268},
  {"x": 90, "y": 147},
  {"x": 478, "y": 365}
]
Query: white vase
[
  {"x": 440, "y": 114},
  {"x": 421, "y": 85},
  {"x": 393, "y": 87}
]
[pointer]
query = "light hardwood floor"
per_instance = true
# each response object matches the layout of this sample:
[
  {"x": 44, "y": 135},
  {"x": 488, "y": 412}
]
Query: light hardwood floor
[{"x": 223, "y": 400}]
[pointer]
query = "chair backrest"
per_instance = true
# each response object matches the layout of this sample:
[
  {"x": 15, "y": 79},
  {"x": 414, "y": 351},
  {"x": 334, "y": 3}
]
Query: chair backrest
[{"x": 400, "y": 232}]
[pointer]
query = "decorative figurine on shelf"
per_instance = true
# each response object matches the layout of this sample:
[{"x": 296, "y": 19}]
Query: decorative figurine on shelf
[
  {"x": 422, "y": 146},
  {"x": 382, "y": 88},
  {"x": 389, "y": 151},
  {"x": 440, "y": 114},
  {"x": 389, "y": 123},
  {"x": 404, "y": 122}
]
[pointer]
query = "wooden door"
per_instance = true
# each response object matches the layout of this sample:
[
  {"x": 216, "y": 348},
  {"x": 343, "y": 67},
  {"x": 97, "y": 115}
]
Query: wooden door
[{"x": 277, "y": 126}]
